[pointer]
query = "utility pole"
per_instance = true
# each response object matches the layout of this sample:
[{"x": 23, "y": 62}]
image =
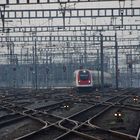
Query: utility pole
[
  {"x": 131, "y": 69},
  {"x": 68, "y": 57},
  {"x": 27, "y": 72},
  {"x": 2, "y": 14},
  {"x": 7, "y": 41},
  {"x": 21, "y": 55},
  {"x": 85, "y": 48},
  {"x": 35, "y": 65},
  {"x": 121, "y": 6},
  {"x": 63, "y": 11},
  {"x": 116, "y": 61},
  {"x": 102, "y": 64},
  {"x": 98, "y": 64}
]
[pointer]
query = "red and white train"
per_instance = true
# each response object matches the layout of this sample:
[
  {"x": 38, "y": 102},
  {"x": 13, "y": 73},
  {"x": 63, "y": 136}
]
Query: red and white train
[{"x": 89, "y": 79}]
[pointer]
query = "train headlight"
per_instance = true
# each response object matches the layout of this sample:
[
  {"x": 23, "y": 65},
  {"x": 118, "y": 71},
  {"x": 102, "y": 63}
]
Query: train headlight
[
  {"x": 89, "y": 81},
  {"x": 79, "y": 81}
]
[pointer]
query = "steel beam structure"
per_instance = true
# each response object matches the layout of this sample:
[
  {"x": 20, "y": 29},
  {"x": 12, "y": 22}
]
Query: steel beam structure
[
  {"x": 55, "y": 52},
  {"x": 23, "y": 2},
  {"x": 72, "y": 28},
  {"x": 122, "y": 47},
  {"x": 90, "y": 48},
  {"x": 65, "y": 38},
  {"x": 46, "y": 38},
  {"x": 72, "y": 13},
  {"x": 55, "y": 48}
]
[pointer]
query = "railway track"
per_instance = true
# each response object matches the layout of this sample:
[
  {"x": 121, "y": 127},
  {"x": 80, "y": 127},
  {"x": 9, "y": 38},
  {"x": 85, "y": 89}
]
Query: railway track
[
  {"x": 125, "y": 124},
  {"x": 68, "y": 124},
  {"x": 49, "y": 133},
  {"x": 18, "y": 127},
  {"x": 101, "y": 134},
  {"x": 88, "y": 113},
  {"x": 46, "y": 115}
]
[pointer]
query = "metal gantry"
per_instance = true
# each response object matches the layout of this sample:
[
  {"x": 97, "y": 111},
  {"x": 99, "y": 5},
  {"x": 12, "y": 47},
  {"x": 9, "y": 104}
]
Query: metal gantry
[
  {"x": 27, "y": 2},
  {"x": 62, "y": 38},
  {"x": 54, "y": 28},
  {"x": 72, "y": 13},
  {"x": 67, "y": 38}
]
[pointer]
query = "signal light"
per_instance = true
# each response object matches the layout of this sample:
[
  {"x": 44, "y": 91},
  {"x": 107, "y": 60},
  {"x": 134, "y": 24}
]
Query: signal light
[
  {"x": 135, "y": 99},
  {"x": 118, "y": 115},
  {"x": 115, "y": 114},
  {"x": 66, "y": 106}
]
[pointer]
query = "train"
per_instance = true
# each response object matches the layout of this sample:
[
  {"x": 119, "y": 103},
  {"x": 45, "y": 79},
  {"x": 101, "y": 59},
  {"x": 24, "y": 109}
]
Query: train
[{"x": 90, "y": 79}]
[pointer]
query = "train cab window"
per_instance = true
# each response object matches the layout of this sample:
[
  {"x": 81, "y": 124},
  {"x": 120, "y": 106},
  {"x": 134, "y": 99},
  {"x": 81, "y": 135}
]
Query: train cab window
[{"x": 84, "y": 75}]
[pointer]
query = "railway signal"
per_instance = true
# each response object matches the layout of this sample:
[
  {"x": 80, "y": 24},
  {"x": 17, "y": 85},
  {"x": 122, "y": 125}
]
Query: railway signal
[
  {"x": 135, "y": 99},
  {"x": 118, "y": 116}
]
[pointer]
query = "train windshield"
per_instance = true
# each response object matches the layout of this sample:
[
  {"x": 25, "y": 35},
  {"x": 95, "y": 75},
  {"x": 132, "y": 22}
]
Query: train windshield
[{"x": 84, "y": 75}]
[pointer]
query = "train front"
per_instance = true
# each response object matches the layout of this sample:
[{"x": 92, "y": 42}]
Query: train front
[{"x": 84, "y": 79}]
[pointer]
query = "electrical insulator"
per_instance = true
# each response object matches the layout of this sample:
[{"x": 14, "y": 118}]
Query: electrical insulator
[{"x": 121, "y": 11}]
